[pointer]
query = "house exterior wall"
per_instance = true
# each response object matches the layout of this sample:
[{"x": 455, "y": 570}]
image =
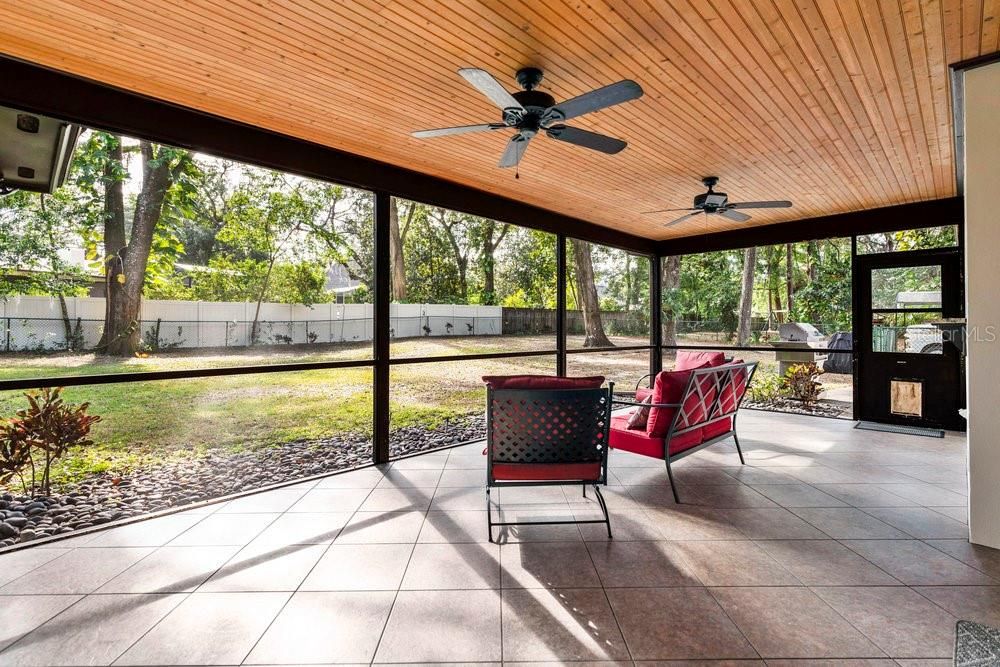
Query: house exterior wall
[{"x": 982, "y": 229}]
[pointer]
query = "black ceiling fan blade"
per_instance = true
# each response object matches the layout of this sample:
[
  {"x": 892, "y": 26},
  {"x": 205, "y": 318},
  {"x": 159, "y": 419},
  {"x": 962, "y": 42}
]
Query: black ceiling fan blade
[
  {"x": 595, "y": 100},
  {"x": 490, "y": 87},
  {"x": 682, "y": 218},
  {"x": 669, "y": 210},
  {"x": 761, "y": 204},
  {"x": 733, "y": 215},
  {"x": 463, "y": 129},
  {"x": 514, "y": 152},
  {"x": 586, "y": 138}
]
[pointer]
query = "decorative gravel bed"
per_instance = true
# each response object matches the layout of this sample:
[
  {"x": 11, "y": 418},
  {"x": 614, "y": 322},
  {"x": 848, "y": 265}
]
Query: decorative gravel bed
[
  {"x": 820, "y": 409},
  {"x": 104, "y": 497}
]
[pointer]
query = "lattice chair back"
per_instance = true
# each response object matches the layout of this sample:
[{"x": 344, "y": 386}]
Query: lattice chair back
[
  {"x": 548, "y": 426},
  {"x": 713, "y": 393}
]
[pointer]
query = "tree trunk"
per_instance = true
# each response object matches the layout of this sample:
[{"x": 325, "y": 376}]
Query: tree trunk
[
  {"x": 671, "y": 280},
  {"x": 789, "y": 280},
  {"x": 488, "y": 262},
  {"x": 127, "y": 270},
  {"x": 396, "y": 260},
  {"x": 588, "y": 301},
  {"x": 746, "y": 296}
]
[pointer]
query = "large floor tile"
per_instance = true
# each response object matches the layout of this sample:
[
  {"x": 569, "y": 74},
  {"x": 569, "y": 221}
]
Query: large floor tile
[
  {"x": 303, "y": 528},
  {"x": 382, "y": 528},
  {"x": 277, "y": 500},
  {"x": 331, "y": 500},
  {"x": 695, "y": 523},
  {"x": 208, "y": 629},
  {"x": 224, "y": 530},
  {"x": 149, "y": 533},
  {"x": 365, "y": 478},
  {"x": 848, "y": 523},
  {"x": 94, "y": 631},
  {"x": 451, "y": 498},
  {"x": 359, "y": 567},
  {"x": 453, "y": 527},
  {"x": 320, "y": 628},
  {"x": 917, "y": 564},
  {"x": 797, "y": 495},
  {"x": 443, "y": 626},
  {"x": 793, "y": 623},
  {"x": 865, "y": 495},
  {"x": 772, "y": 523},
  {"x": 453, "y": 566},
  {"x": 560, "y": 625},
  {"x": 676, "y": 624},
  {"x": 927, "y": 494},
  {"x": 899, "y": 620},
  {"x": 737, "y": 563},
  {"x": 825, "y": 563},
  {"x": 18, "y": 563},
  {"x": 624, "y": 564},
  {"x": 626, "y": 526},
  {"x": 398, "y": 499},
  {"x": 23, "y": 613},
  {"x": 982, "y": 558},
  {"x": 547, "y": 565},
  {"x": 413, "y": 477},
  {"x": 971, "y": 603},
  {"x": 79, "y": 571},
  {"x": 170, "y": 570},
  {"x": 265, "y": 568},
  {"x": 921, "y": 522}
]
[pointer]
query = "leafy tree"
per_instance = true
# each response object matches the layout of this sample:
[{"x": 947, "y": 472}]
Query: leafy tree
[{"x": 125, "y": 249}]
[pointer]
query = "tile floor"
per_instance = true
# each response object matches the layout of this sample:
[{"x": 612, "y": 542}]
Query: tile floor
[{"x": 831, "y": 544}]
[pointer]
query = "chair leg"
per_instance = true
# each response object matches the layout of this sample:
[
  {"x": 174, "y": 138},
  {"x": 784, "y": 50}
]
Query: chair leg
[
  {"x": 584, "y": 490},
  {"x": 739, "y": 451},
  {"x": 489, "y": 515},
  {"x": 673, "y": 486},
  {"x": 604, "y": 508}
]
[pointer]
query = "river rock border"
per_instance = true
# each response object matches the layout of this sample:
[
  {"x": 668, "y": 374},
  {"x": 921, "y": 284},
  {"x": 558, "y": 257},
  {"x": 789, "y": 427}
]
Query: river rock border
[{"x": 103, "y": 498}]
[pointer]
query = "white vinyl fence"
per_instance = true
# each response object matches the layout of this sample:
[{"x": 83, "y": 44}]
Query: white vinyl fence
[{"x": 31, "y": 323}]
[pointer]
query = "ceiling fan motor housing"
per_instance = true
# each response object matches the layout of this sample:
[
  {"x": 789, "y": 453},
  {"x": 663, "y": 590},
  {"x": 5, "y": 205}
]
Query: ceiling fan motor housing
[{"x": 711, "y": 200}]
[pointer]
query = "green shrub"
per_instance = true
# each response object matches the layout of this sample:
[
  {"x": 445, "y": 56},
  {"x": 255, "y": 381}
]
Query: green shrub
[
  {"x": 800, "y": 381},
  {"x": 766, "y": 387},
  {"x": 37, "y": 436}
]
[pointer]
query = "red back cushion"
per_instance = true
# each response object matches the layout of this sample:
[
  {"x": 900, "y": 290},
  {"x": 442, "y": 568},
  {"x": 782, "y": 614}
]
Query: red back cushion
[
  {"x": 688, "y": 360},
  {"x": 542, "y": 382},
  {"x": 668, "y": 388},
  {"x": 733, "y": 392}
]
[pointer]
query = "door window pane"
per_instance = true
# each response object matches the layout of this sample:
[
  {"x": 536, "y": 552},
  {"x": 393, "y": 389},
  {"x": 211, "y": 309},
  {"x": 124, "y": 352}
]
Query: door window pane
[
  {"x": 906, "y": 287},
  {"x": 915, "y": 333}
]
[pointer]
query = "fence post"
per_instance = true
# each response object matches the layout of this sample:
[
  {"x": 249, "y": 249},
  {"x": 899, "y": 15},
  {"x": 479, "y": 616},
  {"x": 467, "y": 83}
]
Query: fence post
[{"x": 7, "y": 336}]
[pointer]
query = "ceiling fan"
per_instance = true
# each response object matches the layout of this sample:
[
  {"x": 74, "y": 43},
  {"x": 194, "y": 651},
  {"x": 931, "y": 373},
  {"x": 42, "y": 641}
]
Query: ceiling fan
[
  {"x": 531, "y": 111},
  {"x": 717, "y": 203}
]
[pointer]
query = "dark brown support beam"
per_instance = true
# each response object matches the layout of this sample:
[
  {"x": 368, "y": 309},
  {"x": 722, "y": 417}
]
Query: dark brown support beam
[
  {"x": 383, "y": 297},
  {"x": 36, "y": 89},
  {"x": 655, "y": 315},
  {"x": 561, "y": 305},
  {"x": 931, "y": 213}
]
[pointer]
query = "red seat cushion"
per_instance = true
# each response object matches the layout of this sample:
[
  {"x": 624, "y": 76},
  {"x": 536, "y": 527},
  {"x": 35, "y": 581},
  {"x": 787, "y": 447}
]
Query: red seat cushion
[
  {"x": 638, "y": 442},
  {"x": 546, "y": 472},
  {"x": 641, "y": 393},
  {"x": 542, "y": 382},
  {"x": 688, "y": 360}
]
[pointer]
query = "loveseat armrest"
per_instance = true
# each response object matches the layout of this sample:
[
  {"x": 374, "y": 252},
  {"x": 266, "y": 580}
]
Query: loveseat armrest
[{"x": 637, "y": 384}]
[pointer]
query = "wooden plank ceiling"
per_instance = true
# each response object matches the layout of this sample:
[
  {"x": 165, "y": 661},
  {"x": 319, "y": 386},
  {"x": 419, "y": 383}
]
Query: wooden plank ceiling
[{"x": 838, "y": 105}]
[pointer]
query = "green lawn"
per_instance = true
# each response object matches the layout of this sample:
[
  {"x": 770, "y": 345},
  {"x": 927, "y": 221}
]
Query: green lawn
[{"x": 144, "y": 423}]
